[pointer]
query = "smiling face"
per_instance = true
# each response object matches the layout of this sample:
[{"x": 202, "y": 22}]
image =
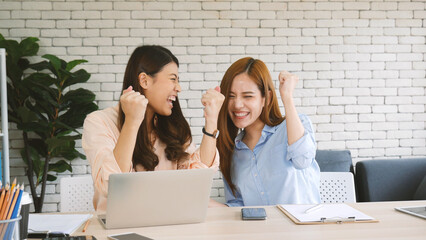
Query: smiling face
[
  {"x": 162, "y": 89},
  {"x": 245, "y": 102}
]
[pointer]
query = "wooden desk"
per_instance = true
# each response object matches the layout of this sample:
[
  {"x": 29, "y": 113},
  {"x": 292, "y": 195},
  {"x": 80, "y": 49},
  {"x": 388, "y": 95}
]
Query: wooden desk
[{"x": 226, "y": 223}]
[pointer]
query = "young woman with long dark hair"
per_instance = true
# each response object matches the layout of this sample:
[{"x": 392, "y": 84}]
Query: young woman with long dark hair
[{"x": 147, "y": 130}]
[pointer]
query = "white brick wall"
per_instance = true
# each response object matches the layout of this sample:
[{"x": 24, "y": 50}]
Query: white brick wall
[{"x": 361, "y": 63}]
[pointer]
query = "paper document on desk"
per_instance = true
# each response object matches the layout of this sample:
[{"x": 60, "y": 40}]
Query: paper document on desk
[
  {"x": 327, "y": 212},
  {"x": 64, "y": 223}
]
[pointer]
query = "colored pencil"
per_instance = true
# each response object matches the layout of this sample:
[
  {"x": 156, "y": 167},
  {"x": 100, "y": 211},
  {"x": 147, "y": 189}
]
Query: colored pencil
[
  {"x": 5, "y": 204},
  {"x": 86, "y": 225},
  {"x": 13, "y": 202},
  {"x": 3, "y": 193},
  {"x": 18, "y": 203},
  {"x": 13, "y": 184}
]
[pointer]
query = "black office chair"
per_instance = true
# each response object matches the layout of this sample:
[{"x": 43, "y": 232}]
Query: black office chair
[
  {"x": 334, "y": 160},
  {"x": 391, "y": 180}
]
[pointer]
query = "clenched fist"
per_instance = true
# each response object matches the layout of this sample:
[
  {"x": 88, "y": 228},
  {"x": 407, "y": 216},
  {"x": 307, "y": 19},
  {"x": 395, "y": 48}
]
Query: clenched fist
[
  {"x": 288, "y": 83},
  {"x": 134, "y": 105},
  {"x": 212, "y": 101}
]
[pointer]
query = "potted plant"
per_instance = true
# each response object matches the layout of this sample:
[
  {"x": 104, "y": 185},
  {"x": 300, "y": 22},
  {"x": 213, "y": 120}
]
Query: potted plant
[{"x": 42, "y": 105}]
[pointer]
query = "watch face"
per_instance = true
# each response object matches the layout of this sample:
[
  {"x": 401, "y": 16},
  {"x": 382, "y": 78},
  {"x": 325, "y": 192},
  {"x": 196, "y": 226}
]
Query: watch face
[{"x": 216, "y": 133}]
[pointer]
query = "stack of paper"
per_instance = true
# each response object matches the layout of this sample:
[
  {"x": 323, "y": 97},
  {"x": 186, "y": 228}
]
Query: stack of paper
[{"x": 64, "y": 223}]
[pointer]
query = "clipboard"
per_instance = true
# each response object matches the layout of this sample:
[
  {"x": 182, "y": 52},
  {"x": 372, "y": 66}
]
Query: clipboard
[{"x": 326, "y": 215}]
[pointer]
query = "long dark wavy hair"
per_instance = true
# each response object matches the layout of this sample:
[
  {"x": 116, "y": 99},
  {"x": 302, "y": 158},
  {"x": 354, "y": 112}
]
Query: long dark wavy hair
[
  {"x": 270, "y": 115},
  {"x": 173, "y": 130}
]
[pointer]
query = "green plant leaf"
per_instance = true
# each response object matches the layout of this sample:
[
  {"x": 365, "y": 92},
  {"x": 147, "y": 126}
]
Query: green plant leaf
[
  {"x": 55, "y": 62},
  {"x": 76, "y": 114},
  {"x": 40, "y": 66},
  {"x": 78, "y": 96},
  {"x": 12, "y": 49},
  {"x": 60, "y": 166},
  {"x": 26, "y": 115},
  {"x": 74, "y": 63},
  {"x": 79, "y": 76},
  {"x": 39, "y": 78},
  {"x": 29, "y": 46},
  {"x": 51, "y": 178}
]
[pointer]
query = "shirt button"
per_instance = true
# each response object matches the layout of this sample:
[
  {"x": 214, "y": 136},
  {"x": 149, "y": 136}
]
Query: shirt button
[
  {"x": 255, "y": 174},
  {"x": 262, "y": 193},
  {"x": 252, "y": 158}
]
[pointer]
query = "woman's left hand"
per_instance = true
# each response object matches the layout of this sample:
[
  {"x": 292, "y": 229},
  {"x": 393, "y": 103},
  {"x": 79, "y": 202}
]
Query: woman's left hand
[
  {"x": 288, "y": 83},
  {"x": 212, "y": 101}
]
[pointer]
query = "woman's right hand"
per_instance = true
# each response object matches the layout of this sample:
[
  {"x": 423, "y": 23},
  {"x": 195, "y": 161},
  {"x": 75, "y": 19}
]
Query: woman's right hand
[{"x": 134, "y": 105}]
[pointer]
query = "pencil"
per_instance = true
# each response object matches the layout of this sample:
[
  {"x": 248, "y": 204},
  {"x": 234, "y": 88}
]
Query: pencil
[
  {"x": 13, "y": 184},
  {"x": 5, "y": 203},
  {"x": 3, "y": 193},
  {"x": 86, "y": 225},
  {"x": 12, "y": 205}
]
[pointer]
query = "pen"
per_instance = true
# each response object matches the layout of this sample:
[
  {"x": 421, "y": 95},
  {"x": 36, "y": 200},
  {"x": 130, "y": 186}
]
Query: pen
[
  {"x": 86, "y": 225},
  {"x": 314, "y": 208}
]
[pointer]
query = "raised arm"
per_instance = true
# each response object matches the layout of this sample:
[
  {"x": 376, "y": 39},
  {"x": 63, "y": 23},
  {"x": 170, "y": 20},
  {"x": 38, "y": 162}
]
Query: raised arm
[
  {"x": 295, "y": 129},
  {"x": 212, "y": 101},
  {"x": 134, "y": 107}
]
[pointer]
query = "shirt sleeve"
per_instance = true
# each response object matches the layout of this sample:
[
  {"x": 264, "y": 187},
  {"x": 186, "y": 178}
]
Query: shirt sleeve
[
  {"x": 302, "y": 152},
  {"x": 99, "y": 141},
  {"x": 194, "y": 161},
  {"x": 231, "y": 200}
]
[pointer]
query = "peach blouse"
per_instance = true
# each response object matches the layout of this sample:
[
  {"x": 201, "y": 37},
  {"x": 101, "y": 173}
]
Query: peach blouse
[{"x": 100, "y": 135}]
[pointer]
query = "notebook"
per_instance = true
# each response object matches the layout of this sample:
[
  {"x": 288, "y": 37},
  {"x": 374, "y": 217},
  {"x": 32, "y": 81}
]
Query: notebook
[{"x": 157, "y": 198}]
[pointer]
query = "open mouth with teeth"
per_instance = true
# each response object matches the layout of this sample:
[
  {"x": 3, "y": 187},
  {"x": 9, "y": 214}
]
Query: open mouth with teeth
[
  {"x": 240, "y": 115},
  {"x": 170, "y": 100}
]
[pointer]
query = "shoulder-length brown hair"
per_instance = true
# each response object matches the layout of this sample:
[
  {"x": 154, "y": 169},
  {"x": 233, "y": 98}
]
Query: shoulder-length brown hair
[
  {"x": 270, "y": 115},
  {"x": 173, "y": 130}
]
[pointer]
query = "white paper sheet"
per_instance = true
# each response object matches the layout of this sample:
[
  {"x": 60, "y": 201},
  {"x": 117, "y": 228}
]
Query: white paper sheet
[
  {"x": 328, "y": 211},
  {"x": 65, "y": 223}
]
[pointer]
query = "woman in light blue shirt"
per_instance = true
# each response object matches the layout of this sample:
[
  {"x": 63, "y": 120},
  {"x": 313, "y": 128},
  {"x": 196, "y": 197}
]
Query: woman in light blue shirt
[{"x": 265, "y": 158}]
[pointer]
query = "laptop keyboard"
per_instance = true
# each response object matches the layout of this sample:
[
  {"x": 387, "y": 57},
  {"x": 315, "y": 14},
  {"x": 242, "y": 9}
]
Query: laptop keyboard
[{"x": 71, "y": 238}]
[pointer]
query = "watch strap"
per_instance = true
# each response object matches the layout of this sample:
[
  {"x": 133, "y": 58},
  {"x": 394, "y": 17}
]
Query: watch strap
[{"x": 215, "y": 134}]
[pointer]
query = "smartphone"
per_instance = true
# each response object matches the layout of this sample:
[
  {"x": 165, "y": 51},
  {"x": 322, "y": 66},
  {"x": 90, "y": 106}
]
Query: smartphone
[
  {"x": 128, "y": 236},
  {"x": 253, "y": 213}
]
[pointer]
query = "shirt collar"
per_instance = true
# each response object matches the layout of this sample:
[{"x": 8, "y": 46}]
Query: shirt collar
[{"x": 267, "y": 130}]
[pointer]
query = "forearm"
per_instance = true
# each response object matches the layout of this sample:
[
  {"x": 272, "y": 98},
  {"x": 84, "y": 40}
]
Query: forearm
[
  {"x": 295, "y": 129},
  {"x": 123, "y": 151},
  {"x": 208, "y": 144},
  {"x": 213, "y": 203}
]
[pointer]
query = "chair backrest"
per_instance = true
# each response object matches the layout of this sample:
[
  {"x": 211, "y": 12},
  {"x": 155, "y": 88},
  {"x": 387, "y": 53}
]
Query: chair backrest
[
  {"x": 334, "y": 160},
  {"x": 389, "y": 179},
  {"x": 77, "y": 194},
  {"x": 337, "y": 187}
]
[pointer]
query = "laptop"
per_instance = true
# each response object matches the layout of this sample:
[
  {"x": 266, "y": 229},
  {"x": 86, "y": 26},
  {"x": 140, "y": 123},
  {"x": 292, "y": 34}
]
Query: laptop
[{"x": 157, "y": 198}]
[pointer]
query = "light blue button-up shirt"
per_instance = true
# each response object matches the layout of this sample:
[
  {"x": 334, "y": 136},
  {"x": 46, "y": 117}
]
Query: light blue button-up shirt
[{"x": 274, "y": 172}]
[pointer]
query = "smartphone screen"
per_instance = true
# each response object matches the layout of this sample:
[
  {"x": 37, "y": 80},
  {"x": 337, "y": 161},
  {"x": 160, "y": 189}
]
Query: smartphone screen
[
  {"x": 128, "y": 236},
  {"x": 253, "y": 213}
]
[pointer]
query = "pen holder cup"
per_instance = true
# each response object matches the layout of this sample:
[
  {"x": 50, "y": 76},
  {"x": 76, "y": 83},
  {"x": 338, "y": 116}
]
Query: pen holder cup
[
  {"x": 9, "y": 229},
  {"x": 23, "y": 224}
]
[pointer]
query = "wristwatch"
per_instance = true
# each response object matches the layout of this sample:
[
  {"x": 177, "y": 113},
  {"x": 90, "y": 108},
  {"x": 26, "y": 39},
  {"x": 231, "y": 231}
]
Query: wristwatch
[{"x": 215, "y": 134}]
